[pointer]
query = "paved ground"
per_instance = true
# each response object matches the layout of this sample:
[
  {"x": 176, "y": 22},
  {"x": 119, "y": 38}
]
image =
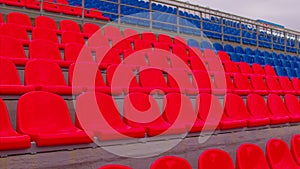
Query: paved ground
[{"x": 189, "y": 148}]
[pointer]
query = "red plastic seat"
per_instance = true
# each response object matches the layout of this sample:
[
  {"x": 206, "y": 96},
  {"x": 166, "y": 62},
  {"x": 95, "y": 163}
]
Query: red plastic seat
[
  {"x": 89, "y": 81},
  {"x": 161, "y": 46},
  {"x": 231, "y": 68},
  {"x": 273, "y": 85},
  {"x": 209, "y": 110},
  {"x": 141, "y": 44},
  {"x": 134, "y": 59},
  {"x": 295, "y": 147},
  {"x": 197, "y": 63},
  {"x": 223, "y": 56},
  {"x": 158, "y": 59},
  {"x": 235, "y": 109},
  {"x": 10, "y": 83},
  {"x": 45, "y": 34},
  {"x": 12, "y": 49},
  {"x": 49, "y": 5},
  {"x": 45, "y": 22},
  {"x": 180, "y": 52},
  {"x": 112, "y": 33},
  {"x": 292, "y": 104},
  {"x": 131, "y": 34},
  {"x": 214, "y": 158},
  {"x": 65, "y": 7},
  {"x": 180, "y": 80},
  {"x": 69, "y": 25},
  {"x": 225, "y": 86},
  {"x": 89, "y": 29},
  {"x": 108, "y": 126},
  {"x": 121, "y": 79},
  {"x": 15, "y": 31},
  {"x": 203, "y": 81},
  {"x": 13, "y": 3},
  {"x": 279, "y": 155},
  {"x": 179, "y": 111},
  {"x": 286, "y": 85},
  {"x": 163, "y": 38},
  {"x": 258, "y": 108},
  {"x": 46, "y": 76},
  {"x": 258, "y": 84},
  {"x": 141, "y": 110},
  {"x": 148, "y": 36},
  {"x": 19, "y": 19},
  {"x": 258, "y": 70},
  {"x": 250, "y": 156},
  {"x": 106, "y": 57},
  {"x": 242, "y": 85},
  {"x": 31, "y": 4},
  {"x": 269, "y": 70},
  {"x": 114, "y": 166},
  {"x": 46, "y": 119},
  {"x": 72, "y": 37},
  {"x": 47, "y": 50},
  {"x": 74, "y": 50},
  {"x": 277, "y": 106},
  {"x": 180, "y": 41},
  {"x": 152, "y": 79},
  {"x": 296, "y": 85},
  {"x": 170, "y": 162},
  {"x": 245, "y": 68},
  {"x": 9, "y": 138},
  {"x": 1, "y": 19},
  {"x": 95, "y": 13}
]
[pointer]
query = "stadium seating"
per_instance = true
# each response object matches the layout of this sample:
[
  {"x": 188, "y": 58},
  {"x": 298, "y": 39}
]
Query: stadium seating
[
  {"x": 250, "y": 156},
  {"x": 295, "y": 147},
  {"x": 15, "y": 31},
  {"x": 284, "y": 159},
  {"x": 214, "y": 158},
  {"x": 35, "y": 110},
  {"x": 10, "y": 83},
  {"x": 47, "y": 76},
  {"x": 45, "y": 22},
  {"x": 10, "y": 139},
  {"x": 114, "y": 166},
  {"x": 169, "y": 162},
  {"x": 19, "y": 19}
]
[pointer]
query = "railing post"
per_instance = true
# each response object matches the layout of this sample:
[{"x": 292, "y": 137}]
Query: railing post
[
  {"x": 285, "y": 41},
  {"x": 82, "y": 12},
  {"x": 150, "y": 14},
  {"x": 41, "y": 7},
  {"x": 241, "y": 33},
  {"x": 177, "y": 21}
]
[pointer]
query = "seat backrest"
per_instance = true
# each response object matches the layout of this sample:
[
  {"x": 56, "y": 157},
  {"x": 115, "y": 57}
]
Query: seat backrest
[
  {"x": 5, "y": 124},
  {"x": 214, "y": 158},
  {"x": 44, "y": 33},
  {"x": 141, "y": 44},
  {"x": 296, "y": 83},
  {"x": 72, "y": 37},
  {"x": 1, "y": 19},
  {"x": 42, "y": 112},
  {"x": 223, "y": 56},
  {"x": 257, "y": 69},
  {"x": 245, "y": 68},
  {"x": 258, "y": 83},
  {"x": 149, "y": 36},
  {"x": 292, "y": 103},
  {"x": 111, "y": 31},
  {"x": 43, "y": 72},
  {"x": 179, "y": 79},
  {"x": 242, "y": 82},
  {"x": 152, "y": 78},
  {"x": 202, "y": 80},
  {"x": 163, "y": 38},
  {"x": 209, "y": 105},
  {"x": 235, "y": 107},
  {"x": 69, "y": 25},
  {"x": 180, "y": 51},
  {"x": 19, "y": 18},
  {"x": 131, "y": 34},
  {"x": 295, "y": 148},
  {"x": 257, "y": 106},
  {"x": 169, "y": 162},
  {"x": 231, "y": 67},
  {"x": 276, "y": 105},
  {"x": 249, "y": 156},
  {"x": 8, "y": 73},
  {"x": 121, "y": 81},
  {"x": 140, "y": 110},
  {"x": 14, "y": 30},
  {"x": 280, "y": 160},
  {"x": 273, "y": 83},
  {"x": 11, "y": 48},
  {"x": 72, "y": 51},
  {"x": 43, "y": 49},
  {"x": 158, "y": 59},
  {"x": 285, "y": 83},
  {"x": 45, "y": 22},
  {"x": 90, "y": 28},
  {"x": 270, "y": 70},
  {"x": 178, "y": 109},
  {"x": 196, "y": 63}
]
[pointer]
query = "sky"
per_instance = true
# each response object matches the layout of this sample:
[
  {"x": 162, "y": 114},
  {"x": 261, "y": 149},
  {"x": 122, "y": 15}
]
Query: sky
[{"x": 283, "y": 12}]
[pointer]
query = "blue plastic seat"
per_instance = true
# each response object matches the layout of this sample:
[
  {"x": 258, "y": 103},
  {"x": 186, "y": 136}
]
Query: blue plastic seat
[
  {"x": 206, "y": 45},
  {"x": 218, "y": 46},
  {"x": 193, "y": 43}
]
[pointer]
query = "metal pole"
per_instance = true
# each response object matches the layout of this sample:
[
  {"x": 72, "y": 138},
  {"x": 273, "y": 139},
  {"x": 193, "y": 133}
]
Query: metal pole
[
  {"x": 82, "y": 12},
  {"x": 41, "y": 7}
]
